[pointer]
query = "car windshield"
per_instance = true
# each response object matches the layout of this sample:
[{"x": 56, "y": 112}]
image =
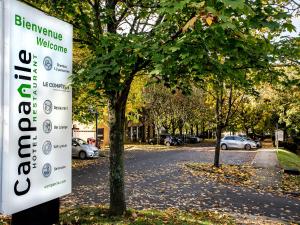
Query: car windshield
[{"x": 81, "y": 142}]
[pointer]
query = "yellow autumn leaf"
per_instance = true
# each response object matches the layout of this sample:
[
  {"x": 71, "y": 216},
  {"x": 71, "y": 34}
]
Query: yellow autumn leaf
[
  {"x": 209, "y": 20},
  {"x": 189, "y": 24}
]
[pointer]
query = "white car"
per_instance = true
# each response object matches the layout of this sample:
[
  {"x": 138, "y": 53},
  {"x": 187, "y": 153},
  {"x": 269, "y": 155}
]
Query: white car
[
  {"x": 230, "y": 142},
  {"x": 83, "y": 150}
]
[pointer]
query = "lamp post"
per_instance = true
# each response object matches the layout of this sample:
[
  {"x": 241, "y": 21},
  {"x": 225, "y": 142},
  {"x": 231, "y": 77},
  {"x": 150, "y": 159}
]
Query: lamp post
[{"x": 94, "y": 111}]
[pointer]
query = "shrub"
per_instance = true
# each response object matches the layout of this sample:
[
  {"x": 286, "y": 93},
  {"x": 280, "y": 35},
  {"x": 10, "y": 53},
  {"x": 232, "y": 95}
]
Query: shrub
[{"x": 291, "y": 146}]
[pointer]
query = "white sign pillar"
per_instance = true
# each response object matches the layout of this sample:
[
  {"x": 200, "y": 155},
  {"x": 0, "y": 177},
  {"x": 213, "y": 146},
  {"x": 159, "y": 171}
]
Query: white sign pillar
[
  {"x": 279, "y": 136},
  {"x": 36, "y": 121},
  {"x": 1, "y": 85}
]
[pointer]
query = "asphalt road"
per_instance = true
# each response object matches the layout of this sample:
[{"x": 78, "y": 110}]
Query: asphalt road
[{"x": 158, "y": 180}]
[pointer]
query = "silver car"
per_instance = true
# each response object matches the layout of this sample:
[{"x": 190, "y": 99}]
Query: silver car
[
  {"x": 238, "y": 142},
  {"x": 83, "y": 150}
]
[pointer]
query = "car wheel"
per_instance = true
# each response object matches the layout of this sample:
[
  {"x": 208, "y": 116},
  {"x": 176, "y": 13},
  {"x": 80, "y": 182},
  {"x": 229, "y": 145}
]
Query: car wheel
[
  {"x": 247, "y": 147},
  {"x": 168, "y": 143},
  {"x": 82, "y": 155},
  {"x": 223, "y": 146}
]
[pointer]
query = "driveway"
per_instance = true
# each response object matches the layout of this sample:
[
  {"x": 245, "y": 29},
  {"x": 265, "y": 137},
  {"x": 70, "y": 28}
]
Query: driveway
[{"x": 157, "y": 180}]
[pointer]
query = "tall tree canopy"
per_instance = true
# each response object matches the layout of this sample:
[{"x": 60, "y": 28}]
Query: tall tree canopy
[{"x": 177, "y": 42}]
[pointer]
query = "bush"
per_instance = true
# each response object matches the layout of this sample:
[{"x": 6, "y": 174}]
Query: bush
[{"x": 291, "y": 146}]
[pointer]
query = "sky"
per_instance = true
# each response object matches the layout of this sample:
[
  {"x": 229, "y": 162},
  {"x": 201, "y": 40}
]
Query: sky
[{"x": 296, "y": 22}]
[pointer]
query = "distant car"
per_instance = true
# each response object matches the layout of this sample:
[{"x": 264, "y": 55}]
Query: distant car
[
  {"x": 164, "y": 139},
  {"x": 82, "y": 150},
  {"x": 178, "y": 141},
  {"x": 237, "y": 142},
  {"x": 192, "y": 139}
]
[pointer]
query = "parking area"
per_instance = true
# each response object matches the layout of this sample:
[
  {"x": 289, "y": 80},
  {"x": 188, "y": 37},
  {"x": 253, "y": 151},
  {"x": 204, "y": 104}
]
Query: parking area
[{"x": 156, "y": 179}]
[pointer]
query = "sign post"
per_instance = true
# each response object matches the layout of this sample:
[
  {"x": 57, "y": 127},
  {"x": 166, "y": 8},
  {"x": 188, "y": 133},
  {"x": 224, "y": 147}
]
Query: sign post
[
  {"x": 36, "y": 109},
  {"x": 43, "y": 214},
  {"x": 1, "y": 86},
  {"x": 279, "y": 136}
]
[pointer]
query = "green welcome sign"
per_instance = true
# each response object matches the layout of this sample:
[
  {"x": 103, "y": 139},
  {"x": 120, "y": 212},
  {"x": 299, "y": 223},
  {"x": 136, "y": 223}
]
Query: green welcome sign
[{"x": 36, "y": 104}]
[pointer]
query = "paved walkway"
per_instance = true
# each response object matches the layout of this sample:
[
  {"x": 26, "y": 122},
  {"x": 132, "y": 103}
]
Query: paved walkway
[
  {"x": 266, "y": 158},
  {"x": 158, "y": 180},
  {"x": 268, "y": 174}
]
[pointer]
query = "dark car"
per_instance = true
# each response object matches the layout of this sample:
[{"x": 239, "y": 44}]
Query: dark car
[
  {"x": 178, "y": 141},
  {"x": 189, "y": 139},
  {"x": 164, "y": 139},
  {"x": 192, "y": 139}
]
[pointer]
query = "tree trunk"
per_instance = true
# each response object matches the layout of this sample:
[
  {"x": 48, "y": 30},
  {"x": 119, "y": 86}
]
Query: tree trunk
[
  {"x": 217, "y": 150},
  {"x": 173, "y": 130},
  {"x": 116, "y": 110},
  {"x": 116, "y": 135},
  {"x": 153, "y": 131},
  {"x": 192, "y": 129},
  {"x": 180, "y": 130},
  {"x": 219, "y": 104},
  {"x": 197, "y": 130},
  {"x": 157, "y": 136},
  {"x": 173, "y": 127}
]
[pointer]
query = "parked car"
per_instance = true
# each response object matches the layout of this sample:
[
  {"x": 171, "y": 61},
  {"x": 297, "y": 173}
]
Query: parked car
[
  {"x": 178, "y": 141},
  {"x": 189, "y": 139},
  {"x": 257, "y": 140},
  {"x": 192, "y": 139},
  {"x": 230, "y": 142},
  {"x": 83, "y": 150},
  {"x": 164, "y": 139}
]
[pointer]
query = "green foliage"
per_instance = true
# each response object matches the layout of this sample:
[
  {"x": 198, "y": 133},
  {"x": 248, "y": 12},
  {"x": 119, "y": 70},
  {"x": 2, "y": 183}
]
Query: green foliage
[
  {"x": 85, "y": 99},
  {"x": 85, "y": 96},
  {"x": 253, "y": 116},
  {"x": 114, "y": 61},
  {"x": 282, "y": 101},
  {"x": 173, "y": 111},
  {"x": 136, "y": 102},
  {"x": 175, "y": 43}
]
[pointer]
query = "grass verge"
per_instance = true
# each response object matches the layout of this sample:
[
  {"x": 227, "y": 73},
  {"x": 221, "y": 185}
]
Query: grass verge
[
  {"x": 100, "y": 215},
  {"x": 288, "y": 159},
  {"x": 289, "y": 183},
  {"x": 96, "y": 215}
]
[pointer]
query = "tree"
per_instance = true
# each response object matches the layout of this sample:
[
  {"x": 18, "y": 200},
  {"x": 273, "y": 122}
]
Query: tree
[
  {"x": 251, "y": 115},
  {"x": 174, "y": 111},
  {"x": 283, "y": 100},
  {"x": 227, "y": 97},
  {"x": 123, "y": 37},
  {"x": 156, "y": 106},
  {"x": 232, "y": 45},
  {"x": 127, "y": 37},
  {"x": 84, "y": 96},
  {"x": 136, "y": 102}
]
